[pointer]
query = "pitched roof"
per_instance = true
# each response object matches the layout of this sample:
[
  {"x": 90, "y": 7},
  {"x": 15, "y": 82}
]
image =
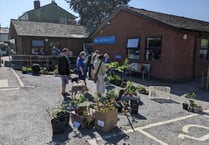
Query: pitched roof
[
  {"x": 170, "y": 20},
  {"x": 42, "y": 29},
  {"x": 45, "y": 7}
]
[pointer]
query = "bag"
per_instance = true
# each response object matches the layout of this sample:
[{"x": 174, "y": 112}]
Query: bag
[{"x": 96, "y": 74}]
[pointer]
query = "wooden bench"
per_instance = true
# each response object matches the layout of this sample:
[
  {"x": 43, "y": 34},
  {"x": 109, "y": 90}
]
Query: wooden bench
[{"x": 140, "y": 68}]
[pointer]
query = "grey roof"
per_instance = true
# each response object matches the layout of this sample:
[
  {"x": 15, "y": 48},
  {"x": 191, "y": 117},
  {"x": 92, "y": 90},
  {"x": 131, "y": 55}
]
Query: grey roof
[
  {"x": 167, "y": 19},
  {"x": 172, "y": 20},
  {"x": 41, "y": 29}
]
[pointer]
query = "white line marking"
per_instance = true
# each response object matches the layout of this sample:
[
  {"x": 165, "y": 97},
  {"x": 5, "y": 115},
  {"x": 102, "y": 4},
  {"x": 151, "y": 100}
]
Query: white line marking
[
  {"x": 18, "y": 78},
  {"x": 186, "y": 130},
  {"x": 151, "y": 136},
  {"x": 140, "y": 129}
]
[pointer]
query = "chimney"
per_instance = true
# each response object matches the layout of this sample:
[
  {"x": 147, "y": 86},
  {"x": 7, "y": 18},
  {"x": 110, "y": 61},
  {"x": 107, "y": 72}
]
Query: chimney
[
  {"x": 36, "y": 4},
  {"x": 53, "y": 2}
]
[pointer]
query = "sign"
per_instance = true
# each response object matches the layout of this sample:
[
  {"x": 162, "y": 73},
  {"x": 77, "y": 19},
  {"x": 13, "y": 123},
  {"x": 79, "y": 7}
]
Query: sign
[{"x": 105, "y": 40}]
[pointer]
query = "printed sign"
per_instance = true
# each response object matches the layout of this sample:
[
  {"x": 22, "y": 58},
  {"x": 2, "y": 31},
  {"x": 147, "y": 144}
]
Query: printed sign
[
  {"x": 105, "y": 40},
  {"x": 100, "y": 123}
]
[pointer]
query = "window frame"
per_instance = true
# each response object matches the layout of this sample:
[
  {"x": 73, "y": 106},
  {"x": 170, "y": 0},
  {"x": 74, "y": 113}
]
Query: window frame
[
  {"x": 136, "y": 50},
  {"x": 149, "y": 49},
  {"x": 202, "y": 48}
]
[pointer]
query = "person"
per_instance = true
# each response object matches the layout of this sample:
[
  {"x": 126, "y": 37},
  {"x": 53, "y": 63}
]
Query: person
[
  {"x": 81, "y": 66},
  {"x": 55, "y": 51},
  {"x": 106, "y": 58},
  {"x": 93, "y": 58},
  {"x": 100, "y": 83},
  {"x": 89, "y": 65},
  {"x": 64, "y": 69}
]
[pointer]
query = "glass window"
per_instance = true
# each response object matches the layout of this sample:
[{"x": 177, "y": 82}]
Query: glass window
[
  {"x": 55, "y": 48},
  {"x": 38, "y": 47},
  {"x": 133, "y": 48},
  {"x": 153, "y": 48},
  {"x": 204, "y": 48}
]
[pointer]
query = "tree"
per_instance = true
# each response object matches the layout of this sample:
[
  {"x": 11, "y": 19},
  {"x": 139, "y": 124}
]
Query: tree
[{"x": 94, "y": 12}]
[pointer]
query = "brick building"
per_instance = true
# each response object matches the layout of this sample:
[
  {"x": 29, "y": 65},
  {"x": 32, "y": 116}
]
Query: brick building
[
  {"x": 176, "y": 47},
  {"x": 45, "y": 27}
]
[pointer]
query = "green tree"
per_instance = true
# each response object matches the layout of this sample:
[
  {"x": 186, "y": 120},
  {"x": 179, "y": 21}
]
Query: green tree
[{"x": 94, "y": 12}]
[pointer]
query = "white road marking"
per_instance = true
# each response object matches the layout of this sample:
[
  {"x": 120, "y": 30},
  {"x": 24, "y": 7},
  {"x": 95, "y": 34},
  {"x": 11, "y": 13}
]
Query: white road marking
[
  {"x": 4, "y": 83},
  {"x": 18, "y": 78},
  {"x": 140, "y": 129},
  {"x": 151, "y": 136},
  {"x": 186, "y": 130}
]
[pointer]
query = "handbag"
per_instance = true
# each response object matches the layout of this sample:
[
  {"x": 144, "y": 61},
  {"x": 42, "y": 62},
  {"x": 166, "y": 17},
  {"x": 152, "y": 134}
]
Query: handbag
[{"x": 96, "y": 74}]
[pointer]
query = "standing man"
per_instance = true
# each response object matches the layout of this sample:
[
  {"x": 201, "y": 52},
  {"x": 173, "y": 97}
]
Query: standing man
[
  {"x": 64, "y": 70},
  {"x": 81, "y": 66}
]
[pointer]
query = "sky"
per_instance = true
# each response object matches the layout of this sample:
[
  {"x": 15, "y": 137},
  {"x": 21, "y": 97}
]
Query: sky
[{"x": 196, "y": 9}]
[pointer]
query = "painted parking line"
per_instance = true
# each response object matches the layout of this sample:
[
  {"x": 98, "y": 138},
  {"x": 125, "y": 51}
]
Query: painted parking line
[
  {"x": 6, "y": 87},
  {"x": 141, "y": 130}
]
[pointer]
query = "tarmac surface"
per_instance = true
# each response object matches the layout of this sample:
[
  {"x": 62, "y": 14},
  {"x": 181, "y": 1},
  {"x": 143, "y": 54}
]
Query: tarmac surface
[{"x": 25, "y": 101}]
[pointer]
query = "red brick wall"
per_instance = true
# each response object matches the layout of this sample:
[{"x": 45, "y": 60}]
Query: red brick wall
[{"x": 176, "y": 53}]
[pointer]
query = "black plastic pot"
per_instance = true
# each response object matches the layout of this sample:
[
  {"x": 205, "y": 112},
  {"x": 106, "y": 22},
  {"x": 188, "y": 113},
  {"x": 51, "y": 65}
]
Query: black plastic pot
[
  {"x": 185, "y": 106},
  {"x": 58, "y": 126},
  {"x": 134, "y": 106}
]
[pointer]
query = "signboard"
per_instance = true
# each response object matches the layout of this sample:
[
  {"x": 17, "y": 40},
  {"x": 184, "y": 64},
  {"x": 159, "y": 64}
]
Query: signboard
[{"x": 105, "y": 40}]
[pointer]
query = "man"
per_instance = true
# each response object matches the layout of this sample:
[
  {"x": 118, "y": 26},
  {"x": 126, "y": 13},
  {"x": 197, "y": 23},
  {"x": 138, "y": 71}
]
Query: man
[
  {"x": 64, "y": 69},
  {"x": 81, "y": 66}
]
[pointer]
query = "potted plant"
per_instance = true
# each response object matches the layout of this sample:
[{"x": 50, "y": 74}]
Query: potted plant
[
  {"x": 189, "y": 104},
  {"x": 58, "y": 120}
]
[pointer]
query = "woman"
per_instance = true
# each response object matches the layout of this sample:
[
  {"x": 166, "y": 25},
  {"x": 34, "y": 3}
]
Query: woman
[
  {"x": 99, "y": 66},
  {"x": 81, "y": 66}
]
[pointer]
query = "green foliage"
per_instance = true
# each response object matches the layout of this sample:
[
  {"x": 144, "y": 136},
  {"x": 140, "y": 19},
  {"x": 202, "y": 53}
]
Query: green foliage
[
  {"x": 187, "y": 95},
  {"x": 93, "y": 12},
  {"x": 58, "y": 113}
]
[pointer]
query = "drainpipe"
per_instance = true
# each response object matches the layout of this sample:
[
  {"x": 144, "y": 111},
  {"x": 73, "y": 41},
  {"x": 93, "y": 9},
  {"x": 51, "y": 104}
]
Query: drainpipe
[{"x": 194, "y": 54}]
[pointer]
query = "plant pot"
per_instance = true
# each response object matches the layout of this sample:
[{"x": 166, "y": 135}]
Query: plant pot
[
  {"x": 185, "y": 106},
  {"x": 58, "y": 127},
  {"x": 79, "y": 110},
  {"x": 134, "y": 106},
  {"x": 67, "y": 118},
  {"x": 195, "y": 109}
]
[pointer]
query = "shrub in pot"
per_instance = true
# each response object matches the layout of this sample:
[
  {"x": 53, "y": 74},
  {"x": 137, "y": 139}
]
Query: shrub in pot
[{"x": 58, "y": 120}]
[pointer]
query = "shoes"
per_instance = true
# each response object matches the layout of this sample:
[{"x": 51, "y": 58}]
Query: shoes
[{"x": 65, "y": 94}]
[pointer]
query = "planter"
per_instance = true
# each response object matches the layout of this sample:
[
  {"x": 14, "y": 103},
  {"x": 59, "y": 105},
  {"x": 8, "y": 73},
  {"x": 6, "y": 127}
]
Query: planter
[
  {"x": 185, "y": 106},
  {"x": 86, "y": 121},
  {"x": 67, "y": 118},
  {"x": 106, "y": 121},
  {"x": 58, "y": 127},
  {"x": 195, "y": 109},
  {"x": 134, "y": 107}
]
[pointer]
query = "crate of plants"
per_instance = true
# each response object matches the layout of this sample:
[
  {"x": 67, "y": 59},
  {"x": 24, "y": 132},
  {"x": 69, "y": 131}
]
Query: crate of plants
[
  {"x": 104, "y": 108},
  {"x": 190, "y": 104}
]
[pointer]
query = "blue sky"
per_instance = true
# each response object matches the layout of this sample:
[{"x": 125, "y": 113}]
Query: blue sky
[{"x": 196, "y": 9}]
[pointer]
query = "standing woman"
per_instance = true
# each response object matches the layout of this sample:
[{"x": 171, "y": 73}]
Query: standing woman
[
  {"x": 81, "y": 66},
  {"x": 100, "y": 68}
]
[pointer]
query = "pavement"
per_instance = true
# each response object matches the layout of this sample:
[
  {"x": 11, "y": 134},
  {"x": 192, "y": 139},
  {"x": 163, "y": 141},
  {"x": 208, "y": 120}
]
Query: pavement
[{"x": 25, "y": 101}]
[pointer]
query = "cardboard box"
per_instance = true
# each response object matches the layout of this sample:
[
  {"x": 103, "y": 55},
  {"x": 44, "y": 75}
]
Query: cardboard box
[
  {"x": 106, "y": 121},
  {"x": 81, "y": 121}
]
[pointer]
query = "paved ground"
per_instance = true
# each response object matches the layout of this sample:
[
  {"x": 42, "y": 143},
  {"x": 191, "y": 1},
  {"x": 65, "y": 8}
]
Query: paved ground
[{"x": 24, "y": 118}]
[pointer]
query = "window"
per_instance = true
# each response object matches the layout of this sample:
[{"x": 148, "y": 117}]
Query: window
[
  {"x": 55, "y": 48},
  {"x": 153, "y": 48},
  {"x": 37, "y": 47},
  {"x": 133, "y": 48},
  {"x": 204, "y": 48}
]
